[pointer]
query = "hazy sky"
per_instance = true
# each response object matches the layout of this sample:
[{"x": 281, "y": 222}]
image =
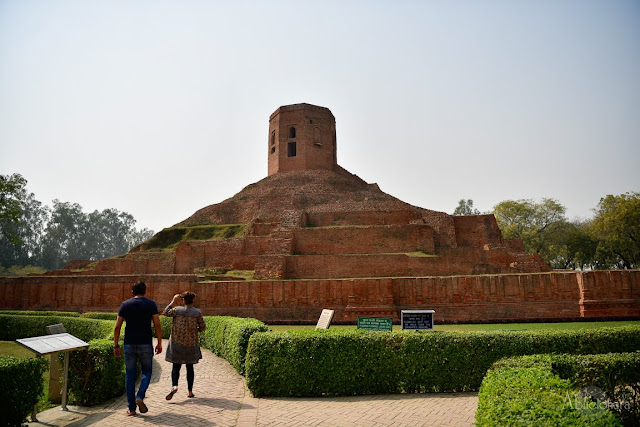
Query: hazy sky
[{"x": 159, "y": 108}]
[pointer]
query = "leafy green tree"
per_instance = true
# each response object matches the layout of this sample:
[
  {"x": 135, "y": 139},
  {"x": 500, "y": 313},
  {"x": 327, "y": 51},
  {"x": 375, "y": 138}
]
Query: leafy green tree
[
  {"x": 111, "y": 233},
  {"x": 617, "y": 228},
  {"x": 571, "y": 246},
  {"x": 65, "y": 235},
  {"x": 538, "y": 225},
  {"x": 465, "y": 207},
  {"x": 29, "y": 230},
  {"x": 12, "y": 196},
  {"x": 72, "y": 234}
]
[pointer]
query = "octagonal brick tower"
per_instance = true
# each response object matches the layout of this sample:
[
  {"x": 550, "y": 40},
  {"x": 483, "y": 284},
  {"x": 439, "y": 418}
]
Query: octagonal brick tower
[{"x": 301, "y": 137}]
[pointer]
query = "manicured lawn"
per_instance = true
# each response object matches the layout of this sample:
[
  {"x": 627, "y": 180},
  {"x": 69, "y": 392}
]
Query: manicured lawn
[
  {"x": 489, "y": 326},
  {"x": 12, "y": 348}
]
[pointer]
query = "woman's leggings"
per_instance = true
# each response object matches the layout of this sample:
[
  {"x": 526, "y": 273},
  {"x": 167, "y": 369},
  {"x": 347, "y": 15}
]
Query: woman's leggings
[{"x": 175, "y": 374}]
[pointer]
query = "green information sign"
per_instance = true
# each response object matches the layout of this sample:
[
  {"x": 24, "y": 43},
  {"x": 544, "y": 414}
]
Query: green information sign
[{"x": 375, "y": 323}]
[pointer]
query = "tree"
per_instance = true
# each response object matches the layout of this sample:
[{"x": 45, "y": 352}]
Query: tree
[
  {"x": 572, "y": 246},
  {"x": 465, "y": 207},
  {"x": 617, "y": 227},
  {"x": 72, "y": 234},
  {"x": 65, "y": 235},
  {"x": 12, "y": 196},
  {"x": 538, "y": 225},
  {"x": 27, "y": 250}
]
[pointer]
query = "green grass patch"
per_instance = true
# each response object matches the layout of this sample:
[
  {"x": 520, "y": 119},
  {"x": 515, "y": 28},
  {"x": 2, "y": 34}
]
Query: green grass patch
[
  {"x": 27, "y": 270},
  {"x": 170, "y": 237}
]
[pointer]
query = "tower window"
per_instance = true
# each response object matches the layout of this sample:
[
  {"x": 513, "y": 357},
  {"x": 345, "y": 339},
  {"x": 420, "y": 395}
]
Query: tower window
[
  {"x": 291, "y": 149},
  {"x": 273, "y": 142},
  {"x": 292, "y": 132}
]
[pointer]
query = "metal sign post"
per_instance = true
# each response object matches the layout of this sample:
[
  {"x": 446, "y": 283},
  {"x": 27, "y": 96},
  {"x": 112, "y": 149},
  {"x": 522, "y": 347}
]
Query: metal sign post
[{"x": 56, "y": 343}]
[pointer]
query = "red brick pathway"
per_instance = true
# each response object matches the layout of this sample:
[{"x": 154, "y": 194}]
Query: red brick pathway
[{"x": 223, "y": 400}]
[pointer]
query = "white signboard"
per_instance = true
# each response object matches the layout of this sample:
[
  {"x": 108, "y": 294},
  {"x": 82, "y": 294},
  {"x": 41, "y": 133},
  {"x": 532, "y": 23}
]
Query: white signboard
[{"x": 53, "y": 343}]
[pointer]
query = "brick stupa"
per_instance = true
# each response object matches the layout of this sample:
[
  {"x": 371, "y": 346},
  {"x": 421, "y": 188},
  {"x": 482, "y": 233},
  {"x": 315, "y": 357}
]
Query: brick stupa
[{"x": 312, "y": 219}]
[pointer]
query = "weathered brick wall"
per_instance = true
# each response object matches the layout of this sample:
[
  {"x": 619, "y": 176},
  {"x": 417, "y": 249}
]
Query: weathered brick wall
[
  {"x": 477, "y": 230},
  {"x": 487, "y": 298},
  {"x": 364, "y": 239},
  {"x": 324, "y": 219},
  {"x": 605, "y": 293}
]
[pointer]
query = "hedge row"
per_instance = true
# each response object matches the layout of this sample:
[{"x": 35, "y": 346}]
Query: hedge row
[
  {"x": 13, "y": 327},
  {"x": 41, "y": 313},
  {"x": 22, "y": 385},
  {"x": 95, "y": 375},
  {"x": 316, "y": 363},
  {"x": 165, "y": 322},
  {"x": 228, "y": 337},
  {"x": 565, "y": 389}
]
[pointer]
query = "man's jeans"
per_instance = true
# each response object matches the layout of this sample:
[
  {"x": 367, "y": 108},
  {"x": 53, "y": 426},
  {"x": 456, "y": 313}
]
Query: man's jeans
[{"x": 133, "y": 353}]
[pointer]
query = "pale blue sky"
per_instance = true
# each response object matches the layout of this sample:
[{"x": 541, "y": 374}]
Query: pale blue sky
[{"x": 159, "y": 108}]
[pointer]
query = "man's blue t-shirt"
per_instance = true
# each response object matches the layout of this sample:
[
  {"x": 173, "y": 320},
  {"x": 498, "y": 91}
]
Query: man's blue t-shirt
[{"x": 137, "y": 313}]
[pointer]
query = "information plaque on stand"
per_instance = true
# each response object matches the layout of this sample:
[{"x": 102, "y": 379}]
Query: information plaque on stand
[
  {"x": 417, "y": 320},
  {"x": 55, "y": 343}
]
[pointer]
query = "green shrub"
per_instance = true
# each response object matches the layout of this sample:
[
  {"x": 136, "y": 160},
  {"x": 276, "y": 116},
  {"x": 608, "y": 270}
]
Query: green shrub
[
  {"x": 13, "y": 327},
  {"x": 95, "y": 375},
  {"x": 165, "y": 322},
  {"x": 314, "y": 363},
  {"x": 228, "y": 337},
  {"x": 328, "y": 362},
  {"x": 614, "y": 377},
  {"x": 559, "y": 390},
  {"x": 40, "y": 313},
  {"x": 22, "y": 384},
  {"x": 100, "y": 315}
]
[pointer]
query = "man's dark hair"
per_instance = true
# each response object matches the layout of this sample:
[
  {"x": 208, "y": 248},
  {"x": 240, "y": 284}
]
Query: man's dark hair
[
  {"x": 188, "y": 297},
  {"x": 139, "y": 288}
]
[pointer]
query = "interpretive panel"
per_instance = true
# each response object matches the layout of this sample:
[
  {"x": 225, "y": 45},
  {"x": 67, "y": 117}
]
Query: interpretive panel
[
  {"x": 375, "y": 323},
  {"x": 325, "y": 319},
  {"x": 52, "y": 343},
  {"x": 421, "y": 320}
]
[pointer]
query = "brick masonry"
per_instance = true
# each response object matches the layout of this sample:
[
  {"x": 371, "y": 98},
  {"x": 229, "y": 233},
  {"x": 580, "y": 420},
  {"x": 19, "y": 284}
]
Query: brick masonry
[{"x": 475, "y": 298}]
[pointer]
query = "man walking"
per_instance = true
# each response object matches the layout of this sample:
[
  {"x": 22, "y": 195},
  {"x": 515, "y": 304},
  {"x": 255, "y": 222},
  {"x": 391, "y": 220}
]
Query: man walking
[{"x": 137, "y": 312}]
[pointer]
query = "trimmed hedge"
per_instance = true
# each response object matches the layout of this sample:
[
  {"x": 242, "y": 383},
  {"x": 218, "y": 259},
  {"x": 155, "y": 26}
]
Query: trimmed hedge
[
  {"x": 100, "y": 315},
  {"x": 13, "y": 327},
  {"x": 616, "y": 377},
  {"x": 316, "y": 363},
  {"x": 165, "y": 322},
  {"x": 22, "y": 385},
  {"x": 41, "y": 313},
  {"x": 228, "y": 337},
  {"x": 95, "y": 375},
  {"x": 562, "y": 390}
]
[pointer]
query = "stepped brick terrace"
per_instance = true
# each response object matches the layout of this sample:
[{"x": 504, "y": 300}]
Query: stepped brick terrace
[{"x": 312, "y": 235}]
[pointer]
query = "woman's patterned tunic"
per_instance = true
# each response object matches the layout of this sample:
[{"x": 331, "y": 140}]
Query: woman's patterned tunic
[{"x": 184, "y": 343}]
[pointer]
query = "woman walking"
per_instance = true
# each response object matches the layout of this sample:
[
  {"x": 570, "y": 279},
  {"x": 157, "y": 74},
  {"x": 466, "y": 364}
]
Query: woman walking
[{"x": 184, "y": 344}]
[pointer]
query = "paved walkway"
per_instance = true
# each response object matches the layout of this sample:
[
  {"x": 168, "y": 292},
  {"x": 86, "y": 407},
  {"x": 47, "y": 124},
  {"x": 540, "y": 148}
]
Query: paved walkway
[{"x": 222, "y": 399}]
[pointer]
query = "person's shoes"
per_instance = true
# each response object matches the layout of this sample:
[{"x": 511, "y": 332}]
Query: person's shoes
[
  {"x": 190, "y": 395},
  {"x": 171, "y": 393},
  {"x": 143, "y": 408},
  {"x": 131, "y": 413}
]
